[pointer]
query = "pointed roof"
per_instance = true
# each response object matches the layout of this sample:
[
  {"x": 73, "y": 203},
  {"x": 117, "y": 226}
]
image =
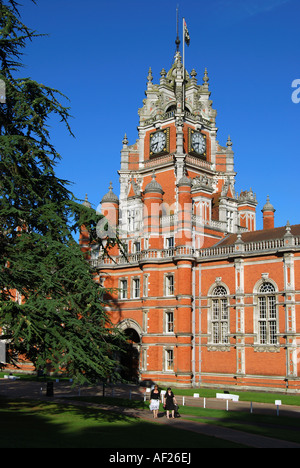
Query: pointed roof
[
  {"x": 268, "y": 206},
  {"x": 185, "y": 181},
  {"x": 153, "y": 186},
  {"x": 110, "y": 197},
  {"x": 86, "y": 202}
]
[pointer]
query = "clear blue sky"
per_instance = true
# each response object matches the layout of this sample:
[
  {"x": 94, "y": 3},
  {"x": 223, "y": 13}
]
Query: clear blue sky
[{"x": 98, "y": 53}]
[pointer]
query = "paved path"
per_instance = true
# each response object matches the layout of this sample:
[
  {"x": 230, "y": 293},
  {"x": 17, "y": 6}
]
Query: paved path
[
  {"x": 243, "y": 438},
  {"x": 62, "y": 391}
]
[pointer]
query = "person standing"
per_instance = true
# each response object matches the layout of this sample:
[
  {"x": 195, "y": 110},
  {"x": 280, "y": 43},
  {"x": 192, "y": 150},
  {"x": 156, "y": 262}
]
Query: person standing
[
  {"x": 169, "y": 403},
  {"x": 154, "y": 401}
]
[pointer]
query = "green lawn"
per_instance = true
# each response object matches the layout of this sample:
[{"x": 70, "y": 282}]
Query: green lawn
[
  {"x": 39, "y": 425},
  {"x": 283, "y": 428},
  {"x": 259, "y": 397},
  {"x": 49, "y": 425},
  {"x": 278, "y": 427},
  {"x": 35, "y": 424}
]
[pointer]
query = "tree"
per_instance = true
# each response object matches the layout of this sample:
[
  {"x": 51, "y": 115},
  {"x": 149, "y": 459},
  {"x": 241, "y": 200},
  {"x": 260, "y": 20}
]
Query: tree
[{"x": 61, "y": 322}]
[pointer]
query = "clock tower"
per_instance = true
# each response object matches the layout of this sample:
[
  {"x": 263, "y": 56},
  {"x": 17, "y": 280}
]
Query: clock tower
[{"x": 177, "y": 137}]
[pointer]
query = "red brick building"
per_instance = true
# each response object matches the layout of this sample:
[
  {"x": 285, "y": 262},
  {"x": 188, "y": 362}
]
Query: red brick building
[{"x": 204, "y": 297}]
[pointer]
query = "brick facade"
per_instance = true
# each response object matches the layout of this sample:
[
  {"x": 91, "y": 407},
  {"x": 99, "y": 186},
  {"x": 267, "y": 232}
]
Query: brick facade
[{"x": 205, "y": 298}]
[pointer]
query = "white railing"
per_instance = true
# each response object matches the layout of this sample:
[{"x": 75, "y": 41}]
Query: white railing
[
  {"x": 172, "y": 220},
  {"x": 249, "y": 247},
  {"x": 264, "y": 245}
]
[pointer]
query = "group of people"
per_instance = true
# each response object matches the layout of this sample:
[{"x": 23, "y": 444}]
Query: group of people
[{"x": 169, "y": 403}]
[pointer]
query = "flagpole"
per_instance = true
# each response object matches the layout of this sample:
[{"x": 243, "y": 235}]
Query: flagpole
[
  {"x": 183, "y": 42},
  {"x": 183, "y": 63},
  {"x": 177, "y": 42}
]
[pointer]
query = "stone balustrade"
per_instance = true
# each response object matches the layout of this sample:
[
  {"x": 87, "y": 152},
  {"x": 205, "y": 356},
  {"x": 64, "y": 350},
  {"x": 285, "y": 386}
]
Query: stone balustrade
[{"x": 237, "y": 249}]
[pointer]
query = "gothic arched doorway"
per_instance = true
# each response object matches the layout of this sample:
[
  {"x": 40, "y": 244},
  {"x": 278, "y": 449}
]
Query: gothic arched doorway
[{"x": 130, "y": 357}]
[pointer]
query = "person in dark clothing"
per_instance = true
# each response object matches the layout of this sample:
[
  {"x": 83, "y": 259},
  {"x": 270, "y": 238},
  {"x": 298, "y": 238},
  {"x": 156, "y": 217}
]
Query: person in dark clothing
[
  {"x": 154, "y": 401},
  {"x": 169, "y": 403}
]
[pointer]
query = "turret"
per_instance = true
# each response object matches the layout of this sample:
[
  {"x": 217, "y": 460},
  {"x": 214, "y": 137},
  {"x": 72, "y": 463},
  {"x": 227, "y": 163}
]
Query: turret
[
  {"x": 110, "y": 207},
  {"x": 247, "y": 210},
  {"x": 268, "y": 215},
  {"x": 153, "y": 199},
  {"x": 184, "y": 235}
]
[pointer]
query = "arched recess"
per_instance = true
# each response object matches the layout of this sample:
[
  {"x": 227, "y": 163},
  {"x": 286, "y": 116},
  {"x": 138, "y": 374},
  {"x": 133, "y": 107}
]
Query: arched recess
[
  {"x": 130, "y": 357},
  {"x": 172, "y": 107}
]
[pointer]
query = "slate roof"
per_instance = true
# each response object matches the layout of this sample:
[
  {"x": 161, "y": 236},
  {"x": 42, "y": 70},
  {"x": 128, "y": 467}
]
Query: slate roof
[{"x": 262, "y": 235}]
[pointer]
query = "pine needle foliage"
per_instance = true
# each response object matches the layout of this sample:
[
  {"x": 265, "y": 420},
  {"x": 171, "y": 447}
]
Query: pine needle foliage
[{"x": 61, "y": 323}]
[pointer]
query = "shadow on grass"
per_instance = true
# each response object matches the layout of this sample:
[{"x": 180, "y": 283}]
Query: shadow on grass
[{"x": 35, "y": 424}]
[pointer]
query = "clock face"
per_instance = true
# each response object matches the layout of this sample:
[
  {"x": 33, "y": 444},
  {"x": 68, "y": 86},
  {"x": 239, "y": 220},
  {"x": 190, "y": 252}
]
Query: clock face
[
  {"x": 158, "y": 142},
  {"x": 198, "y": 143}
]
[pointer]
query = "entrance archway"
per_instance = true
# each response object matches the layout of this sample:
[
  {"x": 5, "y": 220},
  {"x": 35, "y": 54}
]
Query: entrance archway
[{"x": 130, "y": 357}]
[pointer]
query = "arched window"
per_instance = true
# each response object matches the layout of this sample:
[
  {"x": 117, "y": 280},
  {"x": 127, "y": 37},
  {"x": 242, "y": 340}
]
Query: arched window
[
  {"x": 267, "y": 314},
  {"x": 219, "y": 315}
]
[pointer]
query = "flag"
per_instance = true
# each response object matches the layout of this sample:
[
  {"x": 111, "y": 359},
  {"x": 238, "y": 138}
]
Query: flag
[{"x": 186, "y": 34}]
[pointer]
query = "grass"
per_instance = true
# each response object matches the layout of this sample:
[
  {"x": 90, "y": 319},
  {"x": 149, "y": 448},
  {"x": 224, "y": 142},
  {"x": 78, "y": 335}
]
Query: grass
[
  {"x": 34, "y": 377},
  {"x": 258, "y": 397},
  {"x": 31, "y": 424},
  {"x": 283, "y": 428},
  {"x": 45, "y": 424},
  {"x": 40, "y": 424}
]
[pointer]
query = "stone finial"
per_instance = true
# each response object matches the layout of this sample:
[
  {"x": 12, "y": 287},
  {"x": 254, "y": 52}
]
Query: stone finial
[
  {"x": 163, "y": 75},
  {"x": 193, "y": 76},
  {"x": 289, "y": 239},
  {"x": 229, "y": 142},
  {"x": 205, "y": 78},
  {"x": 288, "y": 228},
  {"x": 125, "y": 140},
  {"x": 150, "y": 76}
]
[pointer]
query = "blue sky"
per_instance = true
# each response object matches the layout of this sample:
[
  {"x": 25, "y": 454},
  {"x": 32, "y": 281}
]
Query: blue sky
[{"x": 98, "y": 53}]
